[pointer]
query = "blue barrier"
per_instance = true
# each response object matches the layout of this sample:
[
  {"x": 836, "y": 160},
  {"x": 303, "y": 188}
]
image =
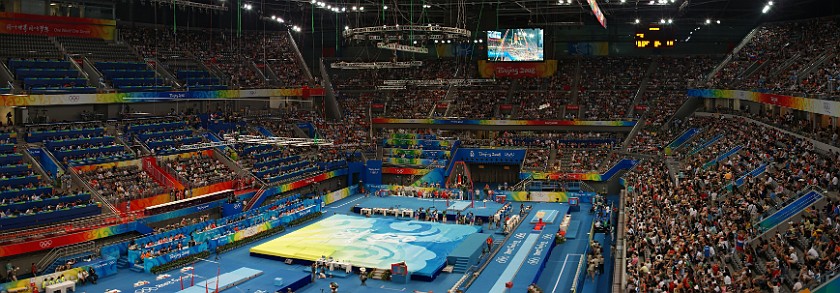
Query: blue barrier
[
  {"x": 111, "y": 65},
  {"x": 741, "y": 180},
  {"x": 20, "y": 180},
  {"x": 790, "y": 210},
  {"x": 722, "y": 157},
  {"x": 54, "y": 144},
  {"x": 49, "y": 217},
  {"x": 12, "y": 193},
  {"x": 39, "y": 136},
  {"x": 15, "y": 169},
  {"x": 683, "y": 138},
  {"x": 143, "y": 127},
  {"x": 624, "y": 164},
  {"x": 10, "y": 158},
  {"x": 265, "y": 132},
  {"x": 17, "y": 63},
  {"x": 164, "y": 134},
  {"x": 705, "y": 144},
  {"x": 24, "y": 205}
]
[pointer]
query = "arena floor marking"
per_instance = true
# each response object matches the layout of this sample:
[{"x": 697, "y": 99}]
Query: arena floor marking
[
  {"x": 563, "y": 268},
  {"x": 346, "y": 203},
  {"x": 395, "y": 289}
]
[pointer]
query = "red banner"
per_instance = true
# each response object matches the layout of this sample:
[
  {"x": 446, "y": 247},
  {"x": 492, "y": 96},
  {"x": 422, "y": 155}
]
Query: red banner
[
  {"x": 572, "y": 107},
  {"x": 640, "y": 107},
  {"x": 56, "y": 26},
  {"x": 517, "y": 69},
  {"x": 442, "y": 106},
  {"x": 377, "y": 106},
  {"x": 506, "y": 107}
]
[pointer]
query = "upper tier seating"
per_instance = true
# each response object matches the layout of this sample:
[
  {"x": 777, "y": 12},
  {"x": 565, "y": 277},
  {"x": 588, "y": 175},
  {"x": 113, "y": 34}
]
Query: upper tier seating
[
  {"x": 163, "y": 135},
  {"x": 49, "y": 76}
]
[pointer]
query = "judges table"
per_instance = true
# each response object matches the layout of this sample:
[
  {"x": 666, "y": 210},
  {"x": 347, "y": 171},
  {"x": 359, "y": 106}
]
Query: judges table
[
  {"x": 388, "y": 211},
  {"x": 61, "y": 287}
]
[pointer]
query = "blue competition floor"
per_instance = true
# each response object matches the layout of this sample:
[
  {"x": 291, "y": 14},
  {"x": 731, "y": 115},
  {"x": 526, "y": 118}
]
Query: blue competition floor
[{"x": 556, "y": 277}]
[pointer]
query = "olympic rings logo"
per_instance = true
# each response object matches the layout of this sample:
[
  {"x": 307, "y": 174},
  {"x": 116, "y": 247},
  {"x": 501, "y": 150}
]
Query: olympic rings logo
[
  {"x": 534, "y": 261},
  {"x": 45, "y": 243},
  {"x": 145, "y": 290},
  {"x": 502, "y": 259}
]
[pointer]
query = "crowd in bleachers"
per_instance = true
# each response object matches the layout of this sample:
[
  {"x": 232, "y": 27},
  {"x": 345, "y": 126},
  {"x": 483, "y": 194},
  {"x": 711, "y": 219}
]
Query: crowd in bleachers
[
  {"x": 477, "y": 104},
  {"x": 236, "y": 59},
  {"x": 120, "y": 184},
  {"x": 199, "y": 170},
  {"x": 789, "y": 122},
  {"x": 414, "y": 103},
  {"x": 785, "y": 54},
  {"x": 699, "y": 234}
]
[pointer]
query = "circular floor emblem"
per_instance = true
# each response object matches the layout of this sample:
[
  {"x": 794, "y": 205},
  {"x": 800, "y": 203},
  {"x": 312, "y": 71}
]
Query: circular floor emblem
[
  {"x": 534, "y": 261},
  {"x": 546, "y": 236},
  {"x": 145, "y": 290},
  {"x": 519, "y": 236},
  {"x": 502, "y": 259}
]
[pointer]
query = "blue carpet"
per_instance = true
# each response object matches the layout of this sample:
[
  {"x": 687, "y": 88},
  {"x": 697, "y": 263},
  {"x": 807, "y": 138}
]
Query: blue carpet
[
  {"x": 574, "y": 227},
  {"x": 522, "y": 257},
  {"x": 563, "y": 261}
]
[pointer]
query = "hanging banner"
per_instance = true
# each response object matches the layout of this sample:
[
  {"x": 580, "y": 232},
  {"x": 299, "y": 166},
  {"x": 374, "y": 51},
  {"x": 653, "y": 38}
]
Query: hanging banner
[
  {"x": 598, "y": 14},
  {"x": 517, "y": 69}
]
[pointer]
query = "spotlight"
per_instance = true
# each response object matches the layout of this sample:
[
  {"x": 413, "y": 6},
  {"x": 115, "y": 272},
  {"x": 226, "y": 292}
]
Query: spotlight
[
  {"x": 638, "y": 21},
  {"x": 480, "y": 41},
  {"x": 765, "y": 9},
  {"x": 346, "y": 27},
  {"x": 708, "y": 21},
  {"x": 362, "y": 8},
  {"x": 670, "y": 21},
  {"x": 343, "y": 9},
  {"x": 385, "y": 7},
  {"x": 662, "y": 21},
  {"x": 415, "y": 42},
  {"x": 354, "y": 8},
  {"x": 313, "y": 2},
  {"x": 273, "y": 17},
  {"x": 622, "y": 1},
  {"x": 436, "y": 41},
  {"x": 280, "y": 20},
  {"x": 718, "y": 21}
]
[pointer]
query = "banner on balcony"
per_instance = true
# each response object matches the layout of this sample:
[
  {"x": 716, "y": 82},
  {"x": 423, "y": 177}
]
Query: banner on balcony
[
  {"x": 56, "y": 26},
  {"x": 148, "y": 97},
  {"x": 825, "y": 107},
  {"x": 517, "y": 69}
]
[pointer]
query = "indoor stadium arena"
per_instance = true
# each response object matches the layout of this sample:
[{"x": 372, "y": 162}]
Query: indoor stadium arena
[{"x": 419, "y": 146}]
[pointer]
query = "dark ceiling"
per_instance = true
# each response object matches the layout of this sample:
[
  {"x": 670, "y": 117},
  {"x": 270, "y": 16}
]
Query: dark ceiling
[{"x": 552, "y": 12}]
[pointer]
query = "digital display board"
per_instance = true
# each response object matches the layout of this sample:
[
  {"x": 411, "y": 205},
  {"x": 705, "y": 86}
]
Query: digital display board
[
  {"x": 654, "y": 37},
  {"x": 515, "y": 45}
]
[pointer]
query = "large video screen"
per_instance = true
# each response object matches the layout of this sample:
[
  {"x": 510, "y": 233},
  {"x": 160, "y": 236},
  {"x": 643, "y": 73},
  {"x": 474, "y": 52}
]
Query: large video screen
[{"x": 515, "y": 45}]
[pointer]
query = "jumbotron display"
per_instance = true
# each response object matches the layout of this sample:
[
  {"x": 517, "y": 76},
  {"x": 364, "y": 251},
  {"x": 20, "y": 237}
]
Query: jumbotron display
[{"x": 515, "y": 45}]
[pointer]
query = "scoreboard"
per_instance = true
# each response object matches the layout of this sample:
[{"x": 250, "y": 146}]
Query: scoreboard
[{"x": 654, "y": 37}]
